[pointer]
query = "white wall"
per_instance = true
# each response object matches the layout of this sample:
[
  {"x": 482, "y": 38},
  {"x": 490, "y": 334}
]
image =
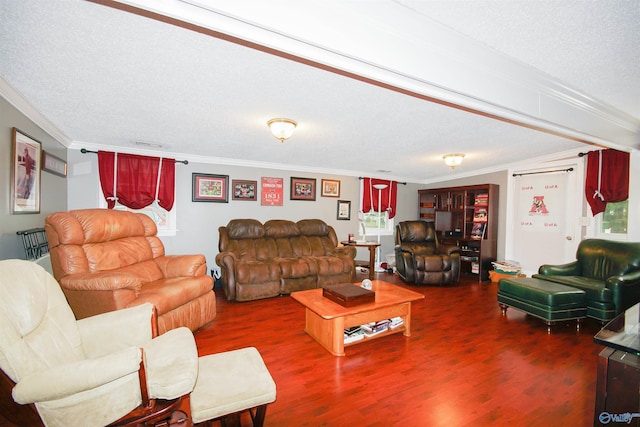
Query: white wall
[
  {"x": 198, "y": 222},
  {"x": 53, "y": 194}
]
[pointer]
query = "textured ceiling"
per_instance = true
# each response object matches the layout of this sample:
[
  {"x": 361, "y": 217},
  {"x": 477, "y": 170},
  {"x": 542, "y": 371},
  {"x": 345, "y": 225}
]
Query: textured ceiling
[{"x": 107, "y": 77}]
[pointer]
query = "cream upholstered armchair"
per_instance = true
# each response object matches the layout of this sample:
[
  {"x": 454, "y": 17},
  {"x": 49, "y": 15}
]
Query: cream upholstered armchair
[
  {"x": 107, "y": 260},
  {"x": 88, "y": 372}
]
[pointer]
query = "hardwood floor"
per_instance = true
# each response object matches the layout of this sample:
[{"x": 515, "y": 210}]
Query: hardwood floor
[{"x": 464, "y": 364}]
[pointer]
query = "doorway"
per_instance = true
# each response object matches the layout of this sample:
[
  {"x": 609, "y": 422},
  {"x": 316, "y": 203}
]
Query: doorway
[{"x": 543, "y": 215}]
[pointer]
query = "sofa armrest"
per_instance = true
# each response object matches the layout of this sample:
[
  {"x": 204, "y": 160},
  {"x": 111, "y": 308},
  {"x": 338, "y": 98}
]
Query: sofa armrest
[
  {"x": 73, "y": 378},
  {"x": 101, "y": 281},
  {"x": 405, "y": 249},
  {"x": 226, "y": 261},
  {"x": 182, "y": 265},
  {"x": 171, "y": 364},
  {"x": 626, "y": 290},
  {"x": 569, "y": 269},
  {"x": 448, "y": 249},
  {"x": 350, "y": 251},
  {"x": 112, "y": 331}
]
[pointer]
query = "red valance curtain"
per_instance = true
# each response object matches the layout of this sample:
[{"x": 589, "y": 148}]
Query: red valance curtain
[
  {"x": 136, "y": 180},
  {"x": 607, "y": 178},
  {"x": 387, "y": 198}
]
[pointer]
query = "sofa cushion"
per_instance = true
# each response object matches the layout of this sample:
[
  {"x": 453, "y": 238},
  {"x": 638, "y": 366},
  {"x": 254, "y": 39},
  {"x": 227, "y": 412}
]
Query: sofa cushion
[
  {"x": 281, "y": 228},
  {"x": 542, "y": 292},
  {"x": 332, "y": 265},
  {"x": 257, "y": 271},
  {"x": 296, "y": 267},
  {"x": 245, "y": 229},
  {"x": 433, "y": 262},
  {"x": 594, "y": 289}
]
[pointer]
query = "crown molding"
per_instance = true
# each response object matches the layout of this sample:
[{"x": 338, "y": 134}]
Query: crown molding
[{"x": 16, "y": 99}]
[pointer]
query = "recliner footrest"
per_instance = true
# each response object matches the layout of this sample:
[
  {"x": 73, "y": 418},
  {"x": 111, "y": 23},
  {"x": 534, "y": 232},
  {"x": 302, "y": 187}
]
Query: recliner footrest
[{"x": 547, "y": 300}]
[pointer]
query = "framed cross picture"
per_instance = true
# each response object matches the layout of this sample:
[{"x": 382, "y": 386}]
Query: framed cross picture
[
  {"x": 26, "y": 161},
  {"x": 344, "y": 210}
]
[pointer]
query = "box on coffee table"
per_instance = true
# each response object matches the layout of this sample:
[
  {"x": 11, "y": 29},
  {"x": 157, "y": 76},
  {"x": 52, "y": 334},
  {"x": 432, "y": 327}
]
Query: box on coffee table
[{"x": 348, "y": 294}]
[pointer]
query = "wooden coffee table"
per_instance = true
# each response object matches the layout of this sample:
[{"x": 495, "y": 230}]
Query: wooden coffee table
[{"x": 326, "y": 320}]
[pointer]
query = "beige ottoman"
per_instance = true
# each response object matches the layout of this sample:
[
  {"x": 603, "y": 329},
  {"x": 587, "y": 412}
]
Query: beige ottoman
[{"x": 232, "y": 382}]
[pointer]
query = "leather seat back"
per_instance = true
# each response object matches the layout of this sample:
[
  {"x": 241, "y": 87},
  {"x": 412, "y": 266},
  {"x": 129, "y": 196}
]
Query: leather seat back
[
  {"x": 93, "y": 240},
  {"x": 600, "y": 259}
]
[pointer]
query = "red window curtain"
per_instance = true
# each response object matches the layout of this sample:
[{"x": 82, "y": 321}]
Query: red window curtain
[
  {"x": 387, "y": 198},
  {"x": 137, "y": 180},
  {"x": 607, "y": 178}
]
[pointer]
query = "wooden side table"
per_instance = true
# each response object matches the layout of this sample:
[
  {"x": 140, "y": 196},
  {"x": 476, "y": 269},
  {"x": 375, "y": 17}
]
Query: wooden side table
[{"x": 372, "y": 254}]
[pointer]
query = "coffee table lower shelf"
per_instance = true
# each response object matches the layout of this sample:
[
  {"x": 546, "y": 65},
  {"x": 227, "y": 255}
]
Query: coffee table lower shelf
[{"x": 329, "y": 332}]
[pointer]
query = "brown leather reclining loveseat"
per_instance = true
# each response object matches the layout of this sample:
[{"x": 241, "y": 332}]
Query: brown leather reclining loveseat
[
  {"x": 279, "y": 257},
  {"x": 107, "y": 260}
]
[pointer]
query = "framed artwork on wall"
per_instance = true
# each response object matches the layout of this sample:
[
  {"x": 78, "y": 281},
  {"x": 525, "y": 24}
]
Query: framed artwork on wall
[
  {"x": 330, "y": 188},
  {"x": 244, "y": 190},
  {"x": 344, "y": 210},
  {"x": 303, "y": 188},
  {"x": 26, "y": 158},
  {"x": 210, "y": 188},
  {"x": 272, "y": 192},
  {"x": 53, "y": 164}
]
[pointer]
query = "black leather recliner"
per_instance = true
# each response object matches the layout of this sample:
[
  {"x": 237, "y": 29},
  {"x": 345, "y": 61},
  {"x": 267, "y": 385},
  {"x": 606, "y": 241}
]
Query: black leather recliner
[{"x": 420, "y": 259}]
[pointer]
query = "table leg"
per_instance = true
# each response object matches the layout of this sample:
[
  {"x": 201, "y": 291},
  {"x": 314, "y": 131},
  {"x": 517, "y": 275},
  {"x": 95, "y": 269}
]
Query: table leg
[{"x": 372, "y": 261}]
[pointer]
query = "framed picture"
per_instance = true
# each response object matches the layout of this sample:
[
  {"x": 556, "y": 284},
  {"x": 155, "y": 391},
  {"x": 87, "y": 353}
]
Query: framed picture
[
  {"x": 210, "y": 188},
  {"x": 344, "y": 209},
  {"x": 303, "y": 188},
  {"x": 272, "y": 191},
  {"x": 26, "y": 158},
  {"x": 330, "y": 188},
  {"x": 53, "y": 164},
  {"x": 244, "y": 190}
]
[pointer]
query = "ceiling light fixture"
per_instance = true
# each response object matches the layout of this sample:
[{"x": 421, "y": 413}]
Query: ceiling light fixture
[
  {"x": 453, "y": 160},
  {"x": 282, "y": 128}
]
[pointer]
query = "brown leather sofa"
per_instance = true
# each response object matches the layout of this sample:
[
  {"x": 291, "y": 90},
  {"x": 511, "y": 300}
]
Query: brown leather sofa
[
  {"x": 279, "y": 257},
  {"x": 107, "y": 260},
  {"x": 421, "y": 259}
]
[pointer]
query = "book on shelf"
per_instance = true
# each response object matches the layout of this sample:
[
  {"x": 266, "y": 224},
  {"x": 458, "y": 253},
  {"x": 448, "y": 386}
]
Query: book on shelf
[
  {"x": 375, "y": 328},
  {"x": 481, "y": 199},
  {"x": 475, "y": 268},
  {"x": 478, "y": 229},
  {"x": 480, "y": 215},
  {"x": 396, "y": 322},
  {"x": 354, "y": 333}
]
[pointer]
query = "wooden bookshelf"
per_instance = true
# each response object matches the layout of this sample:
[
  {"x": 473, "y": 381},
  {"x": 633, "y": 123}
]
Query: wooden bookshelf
[{"x": 467, "y": 217}]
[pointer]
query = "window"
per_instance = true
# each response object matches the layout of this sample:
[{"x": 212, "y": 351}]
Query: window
[
  {"x": 371, "y": 223},
  {"x": 165, "y": 221},
  {"x": 614, "y": 219}
]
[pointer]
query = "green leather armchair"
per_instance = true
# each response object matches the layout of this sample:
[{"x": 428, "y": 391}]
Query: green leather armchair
[
  {"x": 420, "y": 259},
  {"x": 608, "y": 272}
]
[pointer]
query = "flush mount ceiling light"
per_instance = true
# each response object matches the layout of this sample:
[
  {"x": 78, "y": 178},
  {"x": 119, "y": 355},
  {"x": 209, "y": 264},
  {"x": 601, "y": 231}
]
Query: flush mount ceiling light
[
  {"x": 282, "y": 128},
  {"x": 453, "y": 160}
]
